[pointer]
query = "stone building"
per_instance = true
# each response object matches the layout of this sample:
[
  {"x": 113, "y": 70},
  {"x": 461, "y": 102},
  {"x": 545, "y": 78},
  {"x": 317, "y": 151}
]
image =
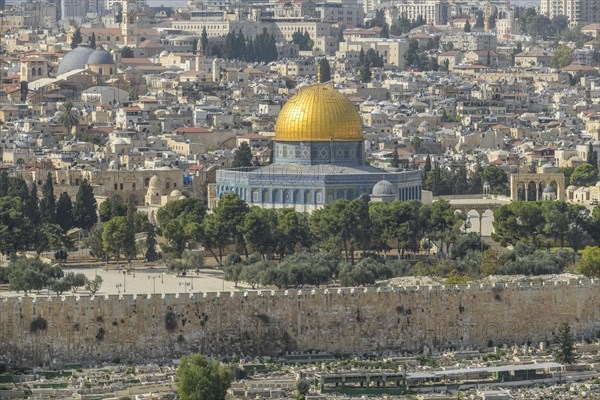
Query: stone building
[{"x": 319, "y": 157}]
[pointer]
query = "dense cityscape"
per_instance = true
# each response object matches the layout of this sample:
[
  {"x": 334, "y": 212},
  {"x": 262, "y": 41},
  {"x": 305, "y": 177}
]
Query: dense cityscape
[{"x": 299, "y": 199}]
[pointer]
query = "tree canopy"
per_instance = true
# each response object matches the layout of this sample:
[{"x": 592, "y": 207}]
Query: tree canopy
[{"x": 201, "y": 379}]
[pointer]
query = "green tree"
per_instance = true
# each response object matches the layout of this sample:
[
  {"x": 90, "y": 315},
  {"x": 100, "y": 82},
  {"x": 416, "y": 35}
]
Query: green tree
[
  {"x": 48, "y": 202},
  {"x": 293, "y": 231},
  {"x": 592, "y": 157},
  {"x": 112, "y": 208},
  {"x": 85, "y": 206},
  {"x": 243, "y": 156},
  {"x": 303, "y": 40},
  {"x": 415, "y": 143},
  {"x": 13, "y": 226},
  {"x": 324, "y": 70},
  {"x": 49, "y": 237},
  {"x": 114, "y": 235},
  {"x": 556, "y": 217},
  {"x": 68, "y": 117},
  {"x": 230, "y": 213},
  {"x": 578, "y": 217},
  {"x": 214, "y": 235},
  {"x": 204, "y": 42},
  {"x": 584, "y": 175},
  {"x": 190, "y": 260},
  {"x": 563, "y": 55},
  {"x": 151, "y": 254},
  {"x": 126, "y": 52},
  {"x": 467, "y": 27},
  {"x": 201, "y": 379},
  {"x": 385, "y": 31},
  {"x": 258, "y": 229},
  {"x": 129, "y": 245},
  {"x": 590, "y": 262},
  {"x": 77, "y": 38},
  {"x": 496, "y": 177},
  {"x": 95, "y": 243},
  {"x": 30, "y": 206},
  {"x": 302, "y": 387},
  {"x": 411, "y": 57},
  {"x": 195, "y": 46},
  {"x": 518, "y": 222},
  {"x": 94, "y": 285},
  {"x": 565, "y": 353},
  {"x": 93, "y": 41},
  {"x": 32, "y": 274},
  {"x": 365, "y": 74},
  {"x": 444, "y": 225},
  {"x": 593, "y": 227},
  {"x": 177, "y": 220},
  {"x": 233, "y": 268},
  {"x": 64, "y": 211}
]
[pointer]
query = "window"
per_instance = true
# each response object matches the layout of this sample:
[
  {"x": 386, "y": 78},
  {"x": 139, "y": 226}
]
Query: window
[
  {"x": 116, "y": 186},
  {"x": 133, "y": 185},
  {"x": 121, "y": 186}
]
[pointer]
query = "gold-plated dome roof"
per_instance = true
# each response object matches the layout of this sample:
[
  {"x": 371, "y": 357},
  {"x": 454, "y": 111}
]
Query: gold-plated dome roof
[{"x": 318, "y": 113}]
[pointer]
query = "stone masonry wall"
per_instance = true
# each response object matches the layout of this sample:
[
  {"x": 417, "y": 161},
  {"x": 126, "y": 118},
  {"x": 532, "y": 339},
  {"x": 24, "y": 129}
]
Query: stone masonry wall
[{"x": 355, "y": 321}]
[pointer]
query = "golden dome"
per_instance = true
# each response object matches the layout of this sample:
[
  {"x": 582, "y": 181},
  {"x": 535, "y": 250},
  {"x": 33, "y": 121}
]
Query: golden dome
[{"x": 318, "y": 113}]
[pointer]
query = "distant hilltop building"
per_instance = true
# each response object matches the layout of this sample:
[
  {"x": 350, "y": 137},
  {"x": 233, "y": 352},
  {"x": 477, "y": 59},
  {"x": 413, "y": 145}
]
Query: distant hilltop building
[
  {"x": 577, "y": 11},
  {"x": 319, "y": 157}
]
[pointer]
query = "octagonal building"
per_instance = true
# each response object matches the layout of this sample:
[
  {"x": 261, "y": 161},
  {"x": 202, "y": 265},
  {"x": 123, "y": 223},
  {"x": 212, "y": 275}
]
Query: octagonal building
[{"x": 319, "y": 157}]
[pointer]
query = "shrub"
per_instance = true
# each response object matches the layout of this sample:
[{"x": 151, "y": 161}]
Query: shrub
[
  {"x": 170, "y": 321},
  {"x": 38, "y": 324}
]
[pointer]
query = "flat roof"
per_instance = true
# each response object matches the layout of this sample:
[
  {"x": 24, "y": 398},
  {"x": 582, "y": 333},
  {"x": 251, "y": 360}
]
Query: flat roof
[{"x": 501, "y": 368}]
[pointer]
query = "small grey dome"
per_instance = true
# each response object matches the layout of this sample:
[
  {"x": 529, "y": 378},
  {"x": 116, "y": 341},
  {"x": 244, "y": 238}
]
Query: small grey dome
[
  {"x": 75, "y": 59},
  {"x": 549, "y": 189},
  {"x": 383, "y": 188},
  {"x": 99, "y": 57},
  {"x": 571, "y": 187}
]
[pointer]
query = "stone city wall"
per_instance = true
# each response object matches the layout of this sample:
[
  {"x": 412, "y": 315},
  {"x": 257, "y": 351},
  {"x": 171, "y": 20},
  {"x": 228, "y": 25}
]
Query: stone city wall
[{"x": 91, "y": 329}]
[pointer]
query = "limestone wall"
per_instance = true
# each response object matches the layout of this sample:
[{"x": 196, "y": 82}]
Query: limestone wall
[{"x": 84, "y": 329}]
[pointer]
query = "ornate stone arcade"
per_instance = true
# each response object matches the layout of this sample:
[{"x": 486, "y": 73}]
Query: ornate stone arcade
[{"x": 530, "y": 187}]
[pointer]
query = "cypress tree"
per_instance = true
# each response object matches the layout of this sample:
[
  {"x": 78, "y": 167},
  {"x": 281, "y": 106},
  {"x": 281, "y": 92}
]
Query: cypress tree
[
  {"x": 129, "y": 248},
  {"x": 151, "y": 254},
  {"x": 48, "y": 203},
  {"x": 324, "y": 70},
  {"x": 204, "y": 42},
  {"x": 31, "y": 207},
  {"x": 565, "y": 353},
  {"x": 85, "y": 207},
  {"x": 64, "y": 212}
]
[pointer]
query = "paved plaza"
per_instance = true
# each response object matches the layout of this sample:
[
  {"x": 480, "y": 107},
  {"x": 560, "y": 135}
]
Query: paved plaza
[{"x": 145, "y": 280}]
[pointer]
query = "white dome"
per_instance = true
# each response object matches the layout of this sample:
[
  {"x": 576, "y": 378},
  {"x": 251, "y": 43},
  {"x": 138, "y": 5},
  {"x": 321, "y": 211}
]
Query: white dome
[
  {"x": 182, "y": 197},
  {"x": 154, "y": 182},
  {"x": 113, "y": 165},
  {"x": 383, "y": 188},
  {"x": 120, "y": 141},
  {"x": 175, "y": 193}
]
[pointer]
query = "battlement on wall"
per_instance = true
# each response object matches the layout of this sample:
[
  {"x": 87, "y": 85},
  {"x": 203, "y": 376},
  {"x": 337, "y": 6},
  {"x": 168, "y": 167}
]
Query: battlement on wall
[
  {"x": 272, "y": 322},
  {"x": 295, "y": 293}
]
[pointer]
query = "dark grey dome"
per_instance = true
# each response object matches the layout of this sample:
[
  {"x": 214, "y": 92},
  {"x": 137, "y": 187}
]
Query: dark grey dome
[
  {"x": 100, "y": 56},
  {"x": 75, "y": 59},
  {"x": 549, "y": 189},
  {"x": 383, "y": 188}
]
